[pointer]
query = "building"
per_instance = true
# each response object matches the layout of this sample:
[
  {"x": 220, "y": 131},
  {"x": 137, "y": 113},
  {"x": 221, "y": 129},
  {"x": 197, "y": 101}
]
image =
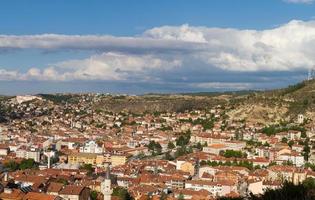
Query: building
[
  {"x": 86, "y": 158},
  {"x": 28, "y": 154},
  {"x": 75, "y": 192},
  {"x": 91, "y": 147},
  {"x": 218, "y": 188},
  {"x": 300, "y": 119},
  {"x": 106, "y": 186},
  {"x": 118, "y": 159}
]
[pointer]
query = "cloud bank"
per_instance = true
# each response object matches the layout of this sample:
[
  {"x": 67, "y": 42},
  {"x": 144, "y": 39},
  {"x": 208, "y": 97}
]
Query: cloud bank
[
  {"x": 299, "y": 1},
  {"x": 199, "y": 57}
]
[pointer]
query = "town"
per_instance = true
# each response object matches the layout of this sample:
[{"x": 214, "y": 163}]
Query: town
[{"x": 57, "y": 147}]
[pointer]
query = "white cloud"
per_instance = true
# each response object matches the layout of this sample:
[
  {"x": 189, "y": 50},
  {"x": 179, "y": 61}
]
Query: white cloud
[
  {"x": 173, "y": 52},
  {"x": 106, "y": 66},
  {"x": 299, "y": 1}
]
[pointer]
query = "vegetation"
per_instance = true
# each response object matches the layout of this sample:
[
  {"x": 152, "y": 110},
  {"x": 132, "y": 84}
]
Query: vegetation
[
  {"x": 183, "y": 139},
  {"x": 170, "y": 145},
  {"x": 60, "y": 98},
  {"x": 183, "y": 150},
  {"x": 293, "y": 88},
  {"x": 24, "y": 164},
  {"x": 87, "y": 167},
  {"x": 233, "y": 154},
  {"x": 155, "y": 147},
  {"x": 206, "y": 124},
  {"x": 121, "y": 193},
  {"x": 93, "y": 195},
  {"x": 277, "y": 128},
  {"x": 247, "y": 164}
]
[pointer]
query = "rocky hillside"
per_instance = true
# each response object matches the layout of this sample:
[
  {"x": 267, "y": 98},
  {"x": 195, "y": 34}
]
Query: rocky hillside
[
  {"x": 159, "y": 103},
  {"x": 264, "y": 107},
  {"x": 275, "y": 105}
]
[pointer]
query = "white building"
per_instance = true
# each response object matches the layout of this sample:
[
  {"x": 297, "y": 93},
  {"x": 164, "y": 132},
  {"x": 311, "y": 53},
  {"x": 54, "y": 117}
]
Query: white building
[
  {"x": 296, "y": 159},
  {"x": 28, "y": 154},
  {"x": 216, "y": 188},
  {"x": 91, "y": 147},
  {"x": 106, "y": 186},
  {"x": 300, "y": 119},
  {"x": 255, "y": 186}
]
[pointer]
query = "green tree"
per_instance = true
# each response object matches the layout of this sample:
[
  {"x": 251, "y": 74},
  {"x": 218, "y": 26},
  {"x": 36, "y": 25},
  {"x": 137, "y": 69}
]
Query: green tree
[
  {"x": 284, "y": 140},
  {"x": 181, "y": 197},
  {"x": 309, "y": 183},
  {"x": 291, "y": 143},
  {"x": 306, "y": 150},
  {"x": 27, "y": 164},
  {"x": 11, "y": 165},
  {"x": 199, "y": 146},
  {"x": 93, "y": 195},
  {"x": 87, "y": 167},
  {"x": 168, "y": 156},
  {"x": 122, "y": 193},
  {"x": 170, "y": 145}
]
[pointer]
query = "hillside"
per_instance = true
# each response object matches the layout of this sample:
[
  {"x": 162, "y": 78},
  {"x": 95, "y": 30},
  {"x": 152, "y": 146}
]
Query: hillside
[
  {"x": 275, "y": 105},
  {"x": 159, "y": 103},
  {"x": 254, "y": 106}
]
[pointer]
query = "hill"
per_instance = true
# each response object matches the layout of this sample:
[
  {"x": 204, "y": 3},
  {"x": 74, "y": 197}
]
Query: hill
[{"x": 276, "y": 105}]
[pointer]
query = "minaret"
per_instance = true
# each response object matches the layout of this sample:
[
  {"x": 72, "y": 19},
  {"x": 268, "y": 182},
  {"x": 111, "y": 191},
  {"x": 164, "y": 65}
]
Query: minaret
[
  {"x": 48, "y": 166},
  {"x": 106, "y": 186}
]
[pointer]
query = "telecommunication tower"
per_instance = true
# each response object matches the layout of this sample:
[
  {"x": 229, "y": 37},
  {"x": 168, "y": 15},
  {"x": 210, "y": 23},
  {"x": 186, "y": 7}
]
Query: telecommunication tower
[{"x": 311, "y": 73}]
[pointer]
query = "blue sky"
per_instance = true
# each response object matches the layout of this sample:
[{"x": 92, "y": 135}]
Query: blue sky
[{"x": 153, "y": 46}]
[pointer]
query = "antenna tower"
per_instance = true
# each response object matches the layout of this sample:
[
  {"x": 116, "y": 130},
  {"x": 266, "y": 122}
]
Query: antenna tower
[{"x": 311, "y": 73}]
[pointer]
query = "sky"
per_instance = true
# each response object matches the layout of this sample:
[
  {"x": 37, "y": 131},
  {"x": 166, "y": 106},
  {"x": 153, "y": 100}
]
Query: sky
[{"x": 147, "y": 46}]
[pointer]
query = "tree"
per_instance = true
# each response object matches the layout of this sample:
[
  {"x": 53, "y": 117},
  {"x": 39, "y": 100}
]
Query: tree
[
  {"x": 158, "y": 148},
  {"x": 232, "y": 154},
  {"x": 151, "y": 145},
  {"x": 87, "y": 167},
  {"x": 170, "y": 145},
  {"x": 284, "y": 140},
  {"x": 199, "y": 146},
  {"x": 181, "y": 196},
  {"x": 163, "y": 196},
  {"x": 155, "y": 147},
  {"x": 306, "y": 150},
  {"x": 181, "y": 141},
  {"x": 309, "y": 183},
  {"x": 168, "y": 156},
  {"x": 27, "y": 164},
  {"x": 93, "y": 195},
  {"x": 11, "y": 165},
  {"x": 122, "y": 193},
  {"x": 291, "y": 143}
]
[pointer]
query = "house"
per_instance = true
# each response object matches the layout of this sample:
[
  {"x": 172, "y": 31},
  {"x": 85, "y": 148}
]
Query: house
[
  {"x": 40, "y": 196},
  {"x": 255, "y": 186},
  {"x": 54, "y": 188},
  {"x": 75, "y": 192},
  {"x": 12, "y": 194},
  {"x": 192, "y": 194},
  {"x": 86, "y": 158},
  {"x": 185, "y": 166},
  {"x": 28, "y": 154},
  {"x": 218, "y": 188},
  {"x": 91, "y": 147}
]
